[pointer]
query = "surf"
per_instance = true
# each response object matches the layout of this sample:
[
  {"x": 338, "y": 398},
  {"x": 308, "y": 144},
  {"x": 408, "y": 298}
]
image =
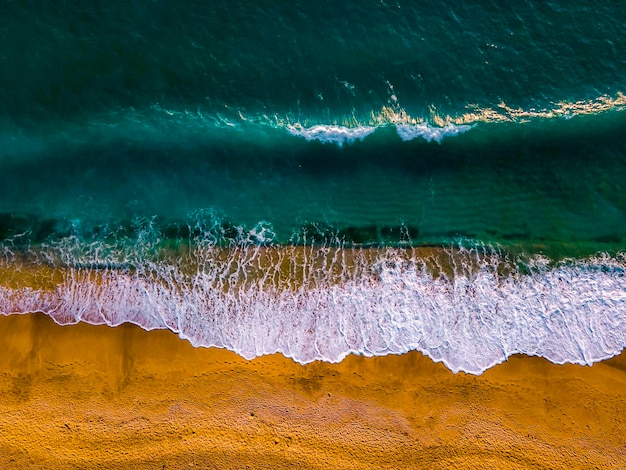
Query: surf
[{"x": 469, "y": 308}]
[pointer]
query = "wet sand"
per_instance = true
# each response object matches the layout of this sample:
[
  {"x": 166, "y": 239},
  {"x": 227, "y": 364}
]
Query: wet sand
[{"x": 97, "y": 397}]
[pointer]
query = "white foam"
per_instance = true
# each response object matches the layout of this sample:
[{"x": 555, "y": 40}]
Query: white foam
[
  {"x": 341, "y": 135},
  {"x": 330, "y": 134},
  {"x": 572, "y": 312},
  {"x": 429, "y": 133}
]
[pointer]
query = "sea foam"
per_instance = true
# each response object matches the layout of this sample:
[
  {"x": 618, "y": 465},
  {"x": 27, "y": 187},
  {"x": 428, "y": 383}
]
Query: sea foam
[
  {"x": 316, "y": 303},
  {"x": 340, "y": 135},
  {"x": 429, "y": 133}
]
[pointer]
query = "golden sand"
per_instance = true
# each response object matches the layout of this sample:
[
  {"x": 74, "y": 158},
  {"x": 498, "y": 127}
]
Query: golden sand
[{"x": 97, "y": 397}]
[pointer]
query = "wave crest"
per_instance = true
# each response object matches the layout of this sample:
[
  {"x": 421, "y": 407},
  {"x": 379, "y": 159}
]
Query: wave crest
[
  {"x": 331, "y": 134},
  {"x": 340, "y": 135}
]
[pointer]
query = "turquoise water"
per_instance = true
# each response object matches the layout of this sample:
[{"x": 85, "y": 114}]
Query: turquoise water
[
  {"x": 544, "y": 181},
  {"x": 131, "y": 127},
  {"x": 112, "y": 110}
]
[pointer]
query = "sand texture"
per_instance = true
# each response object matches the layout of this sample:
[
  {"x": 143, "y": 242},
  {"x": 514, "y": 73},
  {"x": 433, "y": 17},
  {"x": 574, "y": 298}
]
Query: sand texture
[{"x": 97, "y": 397}]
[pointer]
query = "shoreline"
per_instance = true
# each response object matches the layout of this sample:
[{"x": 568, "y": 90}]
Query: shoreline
[
  {"x": 100, "y": 397},
  {"x": 466, "y": 308}
]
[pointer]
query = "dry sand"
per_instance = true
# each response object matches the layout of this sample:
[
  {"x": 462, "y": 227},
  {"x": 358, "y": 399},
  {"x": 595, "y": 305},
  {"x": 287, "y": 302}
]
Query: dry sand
[{"x": 97, "y": 397}]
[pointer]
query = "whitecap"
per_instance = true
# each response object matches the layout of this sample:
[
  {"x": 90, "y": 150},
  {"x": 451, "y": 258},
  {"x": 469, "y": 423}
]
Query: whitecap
[
  {"x": 429, "y": 133},
  {"x": 340, "y": 135},
  {"x": 331, "y": 134}
]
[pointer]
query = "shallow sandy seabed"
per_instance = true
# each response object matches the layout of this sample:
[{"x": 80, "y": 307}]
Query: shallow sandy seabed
[{"x": 97, "y": 397}]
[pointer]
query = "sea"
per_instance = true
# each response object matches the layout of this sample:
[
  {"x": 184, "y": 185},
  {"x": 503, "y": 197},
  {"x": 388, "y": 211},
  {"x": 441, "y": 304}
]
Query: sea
[{"x": 320, "y": 178}]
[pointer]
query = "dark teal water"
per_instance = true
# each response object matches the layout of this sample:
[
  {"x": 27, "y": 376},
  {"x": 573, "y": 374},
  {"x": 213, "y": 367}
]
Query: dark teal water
[{"x": 314, "y": 60}]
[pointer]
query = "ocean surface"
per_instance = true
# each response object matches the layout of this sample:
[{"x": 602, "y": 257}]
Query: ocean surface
[{"x": 320, "y": 178}]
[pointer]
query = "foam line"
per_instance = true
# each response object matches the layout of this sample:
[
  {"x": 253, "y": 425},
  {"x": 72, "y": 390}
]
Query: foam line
[
  {"x": 340, "y": 135},
  {"x": 429, "y": 133}
]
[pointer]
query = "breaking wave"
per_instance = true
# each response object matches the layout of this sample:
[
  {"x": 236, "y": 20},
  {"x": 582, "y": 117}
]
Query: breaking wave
[
  {"x": 340, "y": 135},
  {"x": 470, "y": 308}
]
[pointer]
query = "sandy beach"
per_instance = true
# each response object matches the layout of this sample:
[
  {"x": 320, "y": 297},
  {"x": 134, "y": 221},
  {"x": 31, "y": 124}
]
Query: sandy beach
[
  {"x": 97, "y": 397},
  {"x": 312, "y": 235}
]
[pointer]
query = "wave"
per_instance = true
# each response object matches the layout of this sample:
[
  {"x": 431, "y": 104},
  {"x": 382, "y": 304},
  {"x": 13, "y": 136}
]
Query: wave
[
  {"x": 560, "y": 110},
  {"x": 468, "y": 308},
  {"x": 232, "y": 125},
  {"x": 429, "y": 133},
  {"x": 341, "y": 135},
  {"x": 331, "y": 134}
]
